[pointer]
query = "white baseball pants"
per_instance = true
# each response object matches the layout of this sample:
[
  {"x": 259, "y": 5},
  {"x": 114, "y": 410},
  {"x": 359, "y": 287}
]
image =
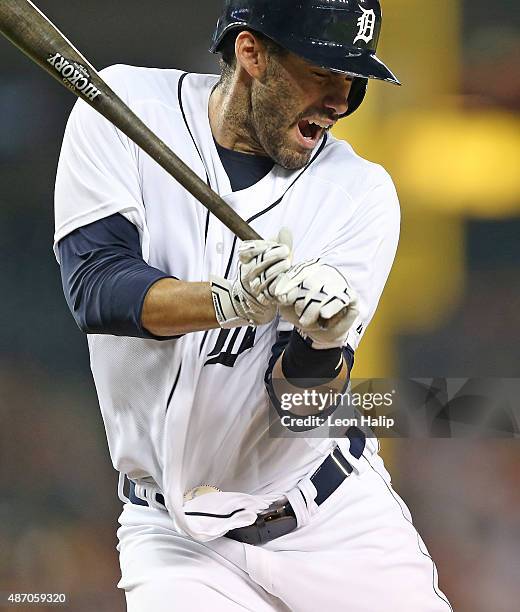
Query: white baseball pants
[{"x": 359, "y": 553}]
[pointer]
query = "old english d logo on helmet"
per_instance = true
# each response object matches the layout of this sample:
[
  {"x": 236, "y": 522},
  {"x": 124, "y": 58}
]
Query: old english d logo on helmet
[{"x": 339, "y": 35}]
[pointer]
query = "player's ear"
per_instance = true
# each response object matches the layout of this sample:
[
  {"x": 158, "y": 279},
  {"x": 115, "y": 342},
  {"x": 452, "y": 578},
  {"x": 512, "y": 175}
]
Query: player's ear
[{"x": 251, "y": 54}]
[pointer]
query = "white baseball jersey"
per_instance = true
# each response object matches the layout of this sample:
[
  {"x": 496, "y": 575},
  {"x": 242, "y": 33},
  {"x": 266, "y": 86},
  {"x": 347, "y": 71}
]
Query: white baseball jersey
[{"x": 182, "y": 413}]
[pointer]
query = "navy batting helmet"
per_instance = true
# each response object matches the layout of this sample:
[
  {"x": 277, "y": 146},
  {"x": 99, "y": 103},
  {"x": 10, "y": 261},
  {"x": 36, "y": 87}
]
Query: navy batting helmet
[{"x": 339, "y": 35}]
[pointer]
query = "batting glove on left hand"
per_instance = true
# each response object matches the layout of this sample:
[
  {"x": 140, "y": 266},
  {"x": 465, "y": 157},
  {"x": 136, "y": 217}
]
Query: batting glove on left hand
[
  {"x": 243, "y": 302},
  {"x": 313, "y": 292},
  {"x": 264, "y": 262}
]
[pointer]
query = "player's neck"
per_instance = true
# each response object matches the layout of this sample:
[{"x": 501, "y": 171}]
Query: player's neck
[{"x": 230, "y": 119}]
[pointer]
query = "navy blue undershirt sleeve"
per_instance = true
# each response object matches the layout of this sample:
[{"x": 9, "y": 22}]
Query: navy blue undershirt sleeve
[
  {"x": 283, "y": 340},
  {"x": 105, "y": 279}
]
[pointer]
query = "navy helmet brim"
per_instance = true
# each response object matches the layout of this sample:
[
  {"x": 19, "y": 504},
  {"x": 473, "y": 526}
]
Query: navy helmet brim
[
  {"x": 323, "y": 53},
  {"x": 364, "y": 65}
]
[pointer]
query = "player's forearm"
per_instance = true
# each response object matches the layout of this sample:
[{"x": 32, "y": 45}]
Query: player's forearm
[
  {"x": 306, "y": 381},
  {"x": 305, "y": 404},
  {"x": 173, "y": 307}
]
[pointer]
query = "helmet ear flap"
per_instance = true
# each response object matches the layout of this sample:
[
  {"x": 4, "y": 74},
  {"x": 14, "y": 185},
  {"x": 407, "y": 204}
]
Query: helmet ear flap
[{"x": 357, "y": 94}]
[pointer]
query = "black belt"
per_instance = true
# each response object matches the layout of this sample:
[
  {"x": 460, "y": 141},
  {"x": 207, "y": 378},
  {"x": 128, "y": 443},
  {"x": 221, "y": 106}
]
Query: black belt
[{"x": 279, "y": 519}]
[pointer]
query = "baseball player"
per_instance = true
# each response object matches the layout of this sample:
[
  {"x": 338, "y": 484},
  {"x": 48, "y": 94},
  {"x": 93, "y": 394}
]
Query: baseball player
[{"x": 191, "y": 332}]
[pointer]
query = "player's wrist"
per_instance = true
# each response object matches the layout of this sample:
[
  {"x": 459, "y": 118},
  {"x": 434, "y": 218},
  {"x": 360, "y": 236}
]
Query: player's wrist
[
  {"x": 318, "y": 344},
  {"x": 230, "y": 309},
  {"x": 303, "y": 365},
  {"x": 236, "y": 307}
]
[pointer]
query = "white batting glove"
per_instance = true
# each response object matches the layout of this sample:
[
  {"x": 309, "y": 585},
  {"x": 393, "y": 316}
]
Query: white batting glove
[
  {"x": 314, "y": 291},
  {"x": 263, "y": 263},
  {"x": 242, "y": 302}
]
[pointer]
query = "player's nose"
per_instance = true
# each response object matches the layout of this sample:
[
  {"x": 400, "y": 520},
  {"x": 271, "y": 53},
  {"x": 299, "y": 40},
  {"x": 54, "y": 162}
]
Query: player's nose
[{"x": 336, "y": 98}]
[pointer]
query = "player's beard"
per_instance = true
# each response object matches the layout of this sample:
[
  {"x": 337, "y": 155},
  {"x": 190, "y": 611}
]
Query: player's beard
[{"x": 274, "y": 112}]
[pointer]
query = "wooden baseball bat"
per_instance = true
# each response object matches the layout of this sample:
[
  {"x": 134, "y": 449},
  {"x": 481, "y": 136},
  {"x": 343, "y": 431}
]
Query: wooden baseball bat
[
  {"x": 30, "y": 30},
  {"x": 34, "y": 34}
]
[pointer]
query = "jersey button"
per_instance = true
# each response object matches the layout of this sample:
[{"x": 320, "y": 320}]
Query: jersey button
[{"x": 220, "y": 248}]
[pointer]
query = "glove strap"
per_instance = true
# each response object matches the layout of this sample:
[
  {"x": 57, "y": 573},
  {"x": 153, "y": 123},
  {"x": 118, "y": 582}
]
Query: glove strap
[
  {"x": 229, "y": 310},
  {"x": 316, "y": 344}
]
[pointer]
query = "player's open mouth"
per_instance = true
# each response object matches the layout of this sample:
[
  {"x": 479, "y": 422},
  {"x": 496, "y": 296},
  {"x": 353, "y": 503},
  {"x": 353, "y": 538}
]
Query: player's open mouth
[{"x": 309, "y": 132}]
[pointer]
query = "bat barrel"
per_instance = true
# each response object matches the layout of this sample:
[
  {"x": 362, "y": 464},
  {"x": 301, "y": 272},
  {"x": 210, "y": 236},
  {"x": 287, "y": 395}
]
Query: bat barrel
[{"x": 28, "y": 28}]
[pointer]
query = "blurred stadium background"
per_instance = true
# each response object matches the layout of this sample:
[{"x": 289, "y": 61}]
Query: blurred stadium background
[{"x": 450, "y": 138}]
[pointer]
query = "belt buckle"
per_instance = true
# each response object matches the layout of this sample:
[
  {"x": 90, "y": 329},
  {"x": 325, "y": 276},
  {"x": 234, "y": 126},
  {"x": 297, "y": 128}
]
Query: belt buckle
[{"x": 273, "y": 522}]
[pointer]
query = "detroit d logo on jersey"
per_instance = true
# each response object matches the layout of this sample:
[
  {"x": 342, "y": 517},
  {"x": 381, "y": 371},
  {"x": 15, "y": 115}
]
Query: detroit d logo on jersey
[{"x": 366, "y": 24}]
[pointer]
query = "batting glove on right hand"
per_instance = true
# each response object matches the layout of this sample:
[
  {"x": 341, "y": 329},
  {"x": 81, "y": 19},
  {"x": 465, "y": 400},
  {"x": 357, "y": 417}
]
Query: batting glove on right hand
[
  {"x": 243, "y": 302},
  {"x": 313, "y": 292}
]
